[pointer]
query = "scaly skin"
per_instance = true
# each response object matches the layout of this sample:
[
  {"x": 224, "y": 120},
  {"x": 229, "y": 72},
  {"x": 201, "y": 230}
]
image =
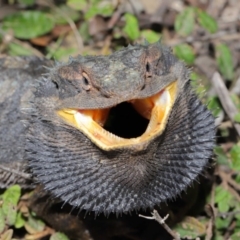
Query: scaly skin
[
  {"x": 16, "y": 80},
  {"x": 74, "y": 167}
]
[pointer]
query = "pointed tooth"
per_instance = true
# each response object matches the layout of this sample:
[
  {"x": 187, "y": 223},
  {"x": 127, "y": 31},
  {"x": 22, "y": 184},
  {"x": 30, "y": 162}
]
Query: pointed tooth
[{"x": 163, "y": 99}]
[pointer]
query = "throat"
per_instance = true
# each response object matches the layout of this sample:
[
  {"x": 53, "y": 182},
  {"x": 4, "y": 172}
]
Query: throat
[{"x": 125, "y": 122}]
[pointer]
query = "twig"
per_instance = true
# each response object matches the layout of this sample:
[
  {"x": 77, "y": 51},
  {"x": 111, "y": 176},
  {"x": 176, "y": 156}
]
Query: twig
[
  {"x": 161, "y": 221},
  {"x": 211, "y": 212},
  {"x": 210, "y": 225},
  {"x": 223, "y": 35},
  {"x": 229, "y": 230},
  {"x": 8, "y": 38},
  {"x": 228, "y": 178},
  {"x": 116, "y": 16},
  {"x": 38, "y": 235},
  {"x": 226, "y": 184},
  {"x": 228, "y": 214},
  {"x": 158, "y": 16},
  {"x": 21, "y": 174},
  {"x": 28, "y": 46},
  {"x": 70, "y": 22},
  {"x": 236, "y": 88},
  {"x": 225, "y": 99}
]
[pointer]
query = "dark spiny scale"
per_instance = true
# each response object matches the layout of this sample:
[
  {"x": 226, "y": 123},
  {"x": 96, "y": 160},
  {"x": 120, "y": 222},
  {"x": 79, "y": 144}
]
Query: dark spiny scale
[
  {"x": 121, "y": 190},
  {"x": 16, "y": 82},
  {"x": 70, "y": 166}
]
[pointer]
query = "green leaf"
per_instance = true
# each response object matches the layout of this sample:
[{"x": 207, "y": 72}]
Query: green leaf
[
  {"x": 235, "y": 157},
  {"x": 10, "y": 200},
  {"x": 93, "y": 11},
  {"x": 34, "y": 225},
  {"x": 237, "y": 216},
  {"x": 218, "y": 236},
  {"x": 11, "y": 214},
  {"x": 194, "y": 77},
  {"x": 206, "y": 21},
  {"x": 237, "y": 118},
  {"x": 103, "y": 8},
  {"x": 15, "y": 49},
  {"x": 20, "y": 221},
  {"x": 131, "y": 27},
  {"x": 224, "y": 132},
  {"x": 2, "y": 221},
  {"x": 185, "y": 21},
  {"x": 224, "y": 61},
  {"x": 196, "y": 83},
  {"x": 60, "y": 18},
  {"x": 214, "y": 106},
  {"x": 190, "y": 227},
  {"x": 59, "y": 236},
  {"x": 222, "y": 223},
  {"x": 236, "y": 235},
  {"x": 84, "y": 31},
  {"x": 150, "y": 35},
  {"x": 223, "y": 198},
  {"x": 236, "y": 100},
  {"x": 185, "y": 52},
  {"x": 220, "y": 194},
  {"x": 77, "y": 4},
  {"x": 11, "y": 195},
  {"x": 221, "y": 156},
  {"x": 27, "y": 2},
  {"x": 237, "y": 178},
  {"x": 223, "y": 206},
  {"x": 63, "y": 53},
  {"x": 28, "y": 24}
]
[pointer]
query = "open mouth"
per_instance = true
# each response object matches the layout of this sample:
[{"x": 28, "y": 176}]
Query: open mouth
[{"x": 129, "y": 124}]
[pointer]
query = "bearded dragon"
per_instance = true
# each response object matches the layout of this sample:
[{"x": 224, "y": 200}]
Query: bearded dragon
[{"x": 106, "y": 134}]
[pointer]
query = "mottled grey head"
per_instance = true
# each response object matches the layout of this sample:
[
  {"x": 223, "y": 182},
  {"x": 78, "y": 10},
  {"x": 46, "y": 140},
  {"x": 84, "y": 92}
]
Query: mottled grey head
[{"x": 118, "y": 133}]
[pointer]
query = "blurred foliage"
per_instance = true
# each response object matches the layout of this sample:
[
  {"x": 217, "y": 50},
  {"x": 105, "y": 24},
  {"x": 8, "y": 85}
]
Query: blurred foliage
[
  {"x": 184, "y": 23},
  {"x": 224, "y": 61},
  {"x": 190, "y": 228},
  {"x": 185, "y": 52},
  {"x": 28, "y": 24},
  {"x": 186, "y": 20},
  {"x": 131, "y": 27},
  {"x": 14, "y": 214}
]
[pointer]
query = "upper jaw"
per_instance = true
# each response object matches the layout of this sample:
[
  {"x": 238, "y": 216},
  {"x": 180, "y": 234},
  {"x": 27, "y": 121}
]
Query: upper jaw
[{"x": 155, "y": 108}]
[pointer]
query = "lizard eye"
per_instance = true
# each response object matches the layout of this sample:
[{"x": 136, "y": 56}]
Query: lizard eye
[{"x": 86, "y": 82}]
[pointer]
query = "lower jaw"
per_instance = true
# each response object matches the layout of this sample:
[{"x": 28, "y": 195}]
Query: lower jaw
[{"x": 90, "y": 122}]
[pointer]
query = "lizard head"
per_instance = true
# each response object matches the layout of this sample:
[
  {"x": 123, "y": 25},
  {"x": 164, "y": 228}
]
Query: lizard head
[{"x": 118, "y": 133}]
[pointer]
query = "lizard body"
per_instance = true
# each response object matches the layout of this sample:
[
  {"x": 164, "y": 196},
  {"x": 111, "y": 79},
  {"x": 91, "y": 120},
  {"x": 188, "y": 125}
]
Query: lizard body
[
  {"x": 77, "y": 142},
  {"x": 16, "y": 81}
]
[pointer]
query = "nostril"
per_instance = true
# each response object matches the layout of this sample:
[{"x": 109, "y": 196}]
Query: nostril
[
  {"x": 56, "y": 84},
  {"x": 148, "y": 70},
  {"x": 147, "y": 67}
]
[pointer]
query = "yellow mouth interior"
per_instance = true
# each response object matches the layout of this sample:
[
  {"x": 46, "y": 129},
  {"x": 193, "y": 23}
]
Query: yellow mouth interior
[{"x": 155, "y": 109}]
